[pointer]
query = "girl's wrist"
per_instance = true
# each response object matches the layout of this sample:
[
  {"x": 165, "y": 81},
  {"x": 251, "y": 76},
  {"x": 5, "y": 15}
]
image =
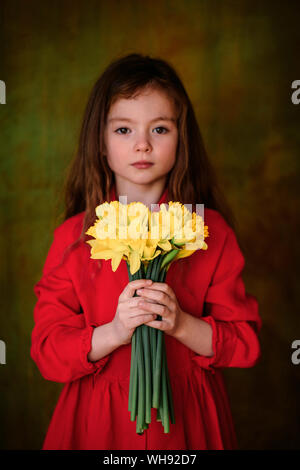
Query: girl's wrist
[
  {"x": 180, "y": 329},
  {"x": 116, "y": 339},
  {"x": 196, "y": 334},
  {"x": 104, "y": 341}
]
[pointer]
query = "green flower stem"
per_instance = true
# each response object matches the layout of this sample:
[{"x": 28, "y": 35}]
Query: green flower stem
[
  {"x": 146, "y": 345},
  {"x": 165, "y": 420},
  {"x": 159, "y": 260},
  {"x": 133, "y": 352},
  {"x": 142, "y": 271},
  {"x": 149, "y": 270},
  {"x": 158, "y": 417},
  {"x": 169, "y": 257},
  {"x": 162, "y": 267},
  {"x": 162, "y": 274},
  {"x": 160, "y": 410},
  {"x": 134, "y": 384},
  {"x": 157, "y": 371},
  {"x": 153, "y": 332},
  {"x": 141, "y": 394},
  {"x": 170, "y": 395}
]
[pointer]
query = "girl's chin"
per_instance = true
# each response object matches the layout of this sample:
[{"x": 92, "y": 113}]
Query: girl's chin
[{"x": 141, "y": 175}]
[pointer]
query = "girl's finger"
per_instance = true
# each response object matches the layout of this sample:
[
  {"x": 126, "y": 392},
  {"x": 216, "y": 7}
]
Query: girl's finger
[
  {"x": 155, "y": 308},
  {"x": 159, "y": 325},
  {"x": 135, "y": 301},
  {"x": 146, "y": 307},
  {"x": 145, "y": 319},
  {"x": 143, "y": 314},
  {"x": 133, "y": 286},
  {"x": 162, "y": 286},
  {"x": 159, "y": 296}
]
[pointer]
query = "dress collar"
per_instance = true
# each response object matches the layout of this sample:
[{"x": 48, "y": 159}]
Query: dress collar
[{"x": 163, "y": 198}]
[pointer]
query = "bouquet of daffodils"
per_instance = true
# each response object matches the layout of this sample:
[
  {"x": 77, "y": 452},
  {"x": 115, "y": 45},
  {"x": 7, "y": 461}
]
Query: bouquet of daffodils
[{"x": 149, "y": 241}]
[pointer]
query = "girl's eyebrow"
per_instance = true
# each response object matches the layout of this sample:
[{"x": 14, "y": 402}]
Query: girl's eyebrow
[{"x": 161, "y": 118}]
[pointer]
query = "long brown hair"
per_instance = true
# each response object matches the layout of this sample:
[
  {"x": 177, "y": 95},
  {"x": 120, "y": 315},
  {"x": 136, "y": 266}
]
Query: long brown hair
[{"x": 89, "y": 179}]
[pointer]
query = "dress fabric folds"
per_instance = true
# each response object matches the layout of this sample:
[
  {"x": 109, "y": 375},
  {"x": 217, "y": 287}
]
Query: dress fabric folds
[{"x": 74, "y": 296}]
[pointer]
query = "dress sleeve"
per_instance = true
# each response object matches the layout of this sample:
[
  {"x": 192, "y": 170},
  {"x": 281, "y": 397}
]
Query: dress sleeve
[
  {"x": 231, "y": 312},
  {"x": 60, "y": 339}
]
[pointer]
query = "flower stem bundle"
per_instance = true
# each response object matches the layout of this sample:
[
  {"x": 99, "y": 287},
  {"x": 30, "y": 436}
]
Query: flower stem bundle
[{"x": 149, "y": 385}]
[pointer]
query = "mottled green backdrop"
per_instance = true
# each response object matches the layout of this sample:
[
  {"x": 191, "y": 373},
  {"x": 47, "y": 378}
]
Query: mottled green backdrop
[{"x": 237, "y": 61}]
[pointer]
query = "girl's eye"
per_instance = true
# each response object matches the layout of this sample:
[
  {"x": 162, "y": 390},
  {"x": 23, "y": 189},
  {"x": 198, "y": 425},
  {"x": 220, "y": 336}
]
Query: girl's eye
[
  {"x": 121, "y": 128},
  {"x": 162, "y": 128}
]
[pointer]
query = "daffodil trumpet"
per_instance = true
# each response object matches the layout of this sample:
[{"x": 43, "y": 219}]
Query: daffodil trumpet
[{"x": 149, "y": 242}]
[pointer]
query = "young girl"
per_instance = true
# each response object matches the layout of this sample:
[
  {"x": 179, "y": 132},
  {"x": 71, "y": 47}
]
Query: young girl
[{"x": 85, "y": 314}]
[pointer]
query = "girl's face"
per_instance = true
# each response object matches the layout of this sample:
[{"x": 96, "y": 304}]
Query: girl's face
[{"x": 143, "y": 128}]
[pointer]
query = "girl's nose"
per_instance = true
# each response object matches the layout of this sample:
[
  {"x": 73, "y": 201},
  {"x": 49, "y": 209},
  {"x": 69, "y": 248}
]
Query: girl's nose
[{"x": 143, "y": 145}]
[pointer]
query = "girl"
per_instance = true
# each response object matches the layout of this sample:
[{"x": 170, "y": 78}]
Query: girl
[{"x": 86, "y": 314}]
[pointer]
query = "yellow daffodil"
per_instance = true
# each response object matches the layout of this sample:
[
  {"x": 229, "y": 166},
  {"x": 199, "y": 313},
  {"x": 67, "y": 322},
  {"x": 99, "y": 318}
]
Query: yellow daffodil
[{"x": 135, "y": 234}]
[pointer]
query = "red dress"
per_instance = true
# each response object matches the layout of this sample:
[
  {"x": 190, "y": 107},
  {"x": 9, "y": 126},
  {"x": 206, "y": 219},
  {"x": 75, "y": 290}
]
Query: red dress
[{"x": 92, "y": 410}]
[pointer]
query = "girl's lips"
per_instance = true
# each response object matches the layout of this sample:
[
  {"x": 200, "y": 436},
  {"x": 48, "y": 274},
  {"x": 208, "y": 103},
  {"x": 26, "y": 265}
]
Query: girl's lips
[{"x": 142, "y": 165}]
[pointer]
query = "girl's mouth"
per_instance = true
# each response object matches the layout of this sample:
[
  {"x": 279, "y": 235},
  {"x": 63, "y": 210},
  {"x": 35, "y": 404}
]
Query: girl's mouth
[{"x": 142, "y": 165}]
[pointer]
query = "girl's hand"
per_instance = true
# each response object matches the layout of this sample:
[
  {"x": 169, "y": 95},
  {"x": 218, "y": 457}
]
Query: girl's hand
[
  {"x": 130, "y": 313},
  {"x": 166, "y": 306}
]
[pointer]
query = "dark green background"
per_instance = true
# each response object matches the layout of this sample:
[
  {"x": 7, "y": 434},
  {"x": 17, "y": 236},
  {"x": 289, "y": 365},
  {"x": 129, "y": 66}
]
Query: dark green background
[{"x": 237, "y": 61}]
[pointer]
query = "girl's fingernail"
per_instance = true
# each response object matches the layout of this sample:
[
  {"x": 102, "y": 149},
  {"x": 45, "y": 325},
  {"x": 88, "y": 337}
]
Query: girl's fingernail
[{"x": 149, "y": 281}]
